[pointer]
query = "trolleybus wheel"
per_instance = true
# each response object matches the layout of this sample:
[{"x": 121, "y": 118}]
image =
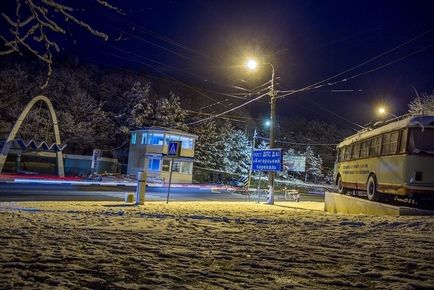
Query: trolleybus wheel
[
  {"x": 341, "y": 188},
  {"x": 371, "y": 189}
]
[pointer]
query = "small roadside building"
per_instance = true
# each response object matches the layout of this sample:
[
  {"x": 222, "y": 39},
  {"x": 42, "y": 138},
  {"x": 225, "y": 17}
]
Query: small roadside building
[{"x": 148, "y": 152}]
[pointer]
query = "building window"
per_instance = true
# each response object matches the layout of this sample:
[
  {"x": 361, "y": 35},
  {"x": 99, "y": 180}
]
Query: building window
[
  {"x": 154, "y": 164},
  {"x": 187, "y": 143},
  {"x": 166, "y": 165},
  {"x": 185, "y": 167},
  {"x": 144, "y": 138},
  {"x": 156, "y": 139},
  {"x": 176, "y": 166},
  {"x": 182, "y": 167},
  {"x": 171, "y": 138},
  {"x": 133, "y": 138}
]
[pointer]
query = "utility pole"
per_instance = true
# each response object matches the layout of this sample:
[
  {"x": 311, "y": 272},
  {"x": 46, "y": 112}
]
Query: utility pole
[
  {"x": 272, "y": 126},
  {"x": 251, "y": 161}
]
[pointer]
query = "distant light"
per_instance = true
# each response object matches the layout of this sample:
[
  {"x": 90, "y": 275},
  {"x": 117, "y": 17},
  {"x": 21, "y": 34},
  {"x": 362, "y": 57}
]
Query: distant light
[
  {"x": 267, "y": 123},
  {"x": 381, "y": 110},
  {"x": 252, "y": 64}
]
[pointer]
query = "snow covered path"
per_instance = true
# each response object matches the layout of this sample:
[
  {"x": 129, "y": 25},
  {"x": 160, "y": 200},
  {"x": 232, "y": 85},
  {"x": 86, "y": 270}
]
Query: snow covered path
[{"x": 210, "y": 245}]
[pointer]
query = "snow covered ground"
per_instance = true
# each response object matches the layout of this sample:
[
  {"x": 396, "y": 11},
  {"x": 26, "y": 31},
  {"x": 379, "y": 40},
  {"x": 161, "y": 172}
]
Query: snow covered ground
[{"x": 210, "y": 245}]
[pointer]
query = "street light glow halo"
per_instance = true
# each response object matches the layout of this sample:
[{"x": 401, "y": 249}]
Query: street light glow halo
[{"x": 251, "y": 64}]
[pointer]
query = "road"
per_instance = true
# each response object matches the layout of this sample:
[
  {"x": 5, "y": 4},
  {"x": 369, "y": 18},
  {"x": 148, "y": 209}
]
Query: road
[{"x": 34, "y": 190}]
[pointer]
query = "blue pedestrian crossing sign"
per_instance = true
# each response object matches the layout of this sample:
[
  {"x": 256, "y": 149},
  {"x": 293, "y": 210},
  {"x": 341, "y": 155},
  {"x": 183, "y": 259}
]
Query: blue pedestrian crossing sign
[{"x": 174, "y": 149}]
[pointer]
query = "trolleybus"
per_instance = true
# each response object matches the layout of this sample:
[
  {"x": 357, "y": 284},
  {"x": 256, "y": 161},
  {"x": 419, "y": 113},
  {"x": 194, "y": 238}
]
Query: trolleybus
[{"x": 395, "y": 158}]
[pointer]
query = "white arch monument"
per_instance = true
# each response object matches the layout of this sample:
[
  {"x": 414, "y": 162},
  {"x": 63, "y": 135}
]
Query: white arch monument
[{"x": 14, "y": 131}]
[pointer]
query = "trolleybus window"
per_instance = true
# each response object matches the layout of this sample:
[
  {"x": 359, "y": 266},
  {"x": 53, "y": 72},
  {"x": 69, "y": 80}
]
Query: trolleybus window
[
  {"x": 374, "y": 149},
  {"x": 421, "y": 141},
  {"x": 364, "y": 148},
  {"x": 390, "y": 143},
  {"x": 356, "y": 150},
  {"x": 403, "y": 145},
  {"x": 347, "y": 154}
]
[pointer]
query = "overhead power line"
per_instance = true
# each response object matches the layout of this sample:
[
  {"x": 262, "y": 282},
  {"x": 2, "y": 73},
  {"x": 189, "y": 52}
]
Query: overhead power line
[
  {"x": 301, "y": 144},
  {"x": 378, "y": 56},
  {"x": 230, "y": 110},
  {"x": 315, "y": 85},
  {"x": 153, "y": 33}
]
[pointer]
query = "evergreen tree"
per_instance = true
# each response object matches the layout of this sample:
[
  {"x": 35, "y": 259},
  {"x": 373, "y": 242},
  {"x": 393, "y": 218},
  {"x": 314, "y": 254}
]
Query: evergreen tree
[
  {"x": 84, "y": 125},
  {"x": 205, "y": 151},
  {"x": 235, "y": 149},
  {"x": 241, "y": 152},
  {"x": 139, "y": 110},
  {"x": 168, "y": 113},
  {"x": 314, "y": 165},
  {"x": 287, "y": 158}
]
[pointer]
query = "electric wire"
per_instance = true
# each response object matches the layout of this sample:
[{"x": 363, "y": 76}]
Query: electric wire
[
  {"x": 378, "y": 56},
  {"x": 315, "y": 86},
  {"x": 296, "y": 143}
]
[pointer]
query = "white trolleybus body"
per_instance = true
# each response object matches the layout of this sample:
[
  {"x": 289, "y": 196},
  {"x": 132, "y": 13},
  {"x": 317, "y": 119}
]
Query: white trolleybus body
[{"x": 396, "y": 158}]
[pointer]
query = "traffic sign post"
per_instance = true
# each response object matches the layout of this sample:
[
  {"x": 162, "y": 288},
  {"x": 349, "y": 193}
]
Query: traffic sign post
[
  {"x": 174, "y": 151},
  {"x": 270, "y": 160}
]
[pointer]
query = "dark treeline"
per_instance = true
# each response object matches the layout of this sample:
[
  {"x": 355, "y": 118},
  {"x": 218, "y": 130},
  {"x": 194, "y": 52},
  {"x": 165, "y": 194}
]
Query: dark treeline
[{"x": 98, "y": 106}]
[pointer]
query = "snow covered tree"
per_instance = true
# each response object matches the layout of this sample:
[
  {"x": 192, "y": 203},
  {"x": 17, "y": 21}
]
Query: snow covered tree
[
  {"x": 205, "y": 151},
  {"x": 262, "y": 145},
  {"x": 314, "y": 165},
  {"x": 235, "y": 149},
  {"x": 422, "y": 105},
  {"x": 287, "y": 157},
  {"x": 84, "y": 125},
  {"x": 240, "y": 154},
  {"x": 139, "y": 109},
  {"x": 168, "y": 113}
]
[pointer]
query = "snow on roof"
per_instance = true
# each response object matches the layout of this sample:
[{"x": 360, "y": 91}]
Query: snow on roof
[
  {"x": 164, "y": 130},
  {"x": 394, "y": 124}
]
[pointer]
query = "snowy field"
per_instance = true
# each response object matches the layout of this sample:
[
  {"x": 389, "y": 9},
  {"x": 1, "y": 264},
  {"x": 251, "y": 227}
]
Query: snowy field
[{"x": 210, "y": 245}]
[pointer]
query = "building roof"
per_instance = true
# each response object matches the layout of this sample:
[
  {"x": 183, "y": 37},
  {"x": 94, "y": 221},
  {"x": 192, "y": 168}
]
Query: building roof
[{"x": 164, "y": 130}]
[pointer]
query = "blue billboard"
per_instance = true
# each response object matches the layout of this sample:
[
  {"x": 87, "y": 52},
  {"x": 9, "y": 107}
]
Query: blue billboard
[{"x": 267, "y": 159}]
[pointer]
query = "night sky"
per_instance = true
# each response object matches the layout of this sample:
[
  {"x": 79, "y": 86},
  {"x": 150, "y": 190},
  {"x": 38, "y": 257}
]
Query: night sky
[{"x": 205, "y": 43}]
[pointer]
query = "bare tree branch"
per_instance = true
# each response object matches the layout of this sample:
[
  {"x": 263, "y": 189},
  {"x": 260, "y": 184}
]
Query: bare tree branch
[
  {"x": 108, "y": 5},
  {"x": 34, "y": 38}
]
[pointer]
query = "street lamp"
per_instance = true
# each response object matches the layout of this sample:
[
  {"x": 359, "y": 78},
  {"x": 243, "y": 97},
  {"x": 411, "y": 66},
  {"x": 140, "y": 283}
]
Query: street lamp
[
  {"x": 382, "y": 111},
  {"x": 252, "y": 65},
  {"x": 266, "y": 123}
]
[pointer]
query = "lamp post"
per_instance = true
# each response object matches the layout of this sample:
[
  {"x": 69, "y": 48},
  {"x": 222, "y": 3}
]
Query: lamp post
[
  {"x": 267, "y": 123},
  {"x": 252, "y": 65}
]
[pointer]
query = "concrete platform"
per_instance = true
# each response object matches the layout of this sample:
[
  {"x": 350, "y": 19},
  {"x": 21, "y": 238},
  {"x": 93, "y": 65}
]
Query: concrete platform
[{"x": 344, "y": 204}]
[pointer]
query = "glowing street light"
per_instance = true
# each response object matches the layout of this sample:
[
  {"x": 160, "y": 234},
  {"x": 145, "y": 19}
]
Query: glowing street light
[
  {"x": 267, "y": 123},
  {"x": 382, "y": 111},
  {"x": 251, "y": 64}
]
